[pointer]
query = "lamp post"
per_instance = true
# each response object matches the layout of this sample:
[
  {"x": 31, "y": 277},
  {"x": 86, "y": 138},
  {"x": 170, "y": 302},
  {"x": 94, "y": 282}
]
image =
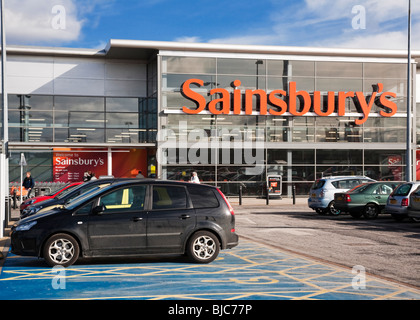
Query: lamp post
[
  {"x": 409, "y": 121},
  {"x": 4, "y": 168}
]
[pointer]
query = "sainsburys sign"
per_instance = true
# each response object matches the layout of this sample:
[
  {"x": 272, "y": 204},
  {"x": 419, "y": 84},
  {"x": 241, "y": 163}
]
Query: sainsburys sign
[{"x": 278, "y": 102}]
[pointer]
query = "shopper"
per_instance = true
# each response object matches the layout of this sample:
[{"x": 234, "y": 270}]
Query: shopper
[
  {"x": 194, "y": 178},
  {"x": 86, "y": 176},
  {"x": 28, "y": 183}
]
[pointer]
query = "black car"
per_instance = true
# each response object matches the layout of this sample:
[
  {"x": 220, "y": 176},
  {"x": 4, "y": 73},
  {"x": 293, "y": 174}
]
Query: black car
[
  {"x": 131, "y": 218},
  {"x": 68, "y": 195}
]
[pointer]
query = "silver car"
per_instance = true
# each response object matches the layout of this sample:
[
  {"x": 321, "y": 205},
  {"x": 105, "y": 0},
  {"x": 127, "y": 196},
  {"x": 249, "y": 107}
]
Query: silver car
[
  {"x": 399, "y": 200},
  {"x": 413, "y": 209},
  {"x": 321, "y": 194}
]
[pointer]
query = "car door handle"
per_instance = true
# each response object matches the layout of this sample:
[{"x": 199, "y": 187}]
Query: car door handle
[
  {"x": 184, "y": 216},
  {"x": 136, "y": 219}
]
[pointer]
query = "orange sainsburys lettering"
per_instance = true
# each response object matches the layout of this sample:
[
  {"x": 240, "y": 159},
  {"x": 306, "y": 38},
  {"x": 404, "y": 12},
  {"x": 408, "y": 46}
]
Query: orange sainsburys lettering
[{"x": 278, "y": 102}]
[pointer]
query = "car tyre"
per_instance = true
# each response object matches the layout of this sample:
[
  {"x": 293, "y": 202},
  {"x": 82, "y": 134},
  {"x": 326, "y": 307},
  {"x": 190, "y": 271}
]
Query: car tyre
[
  {"x": 61, "y": 250},
  {"x": 203, "y": 247},
  {"x": 371, "y": 211},
  {"x": 332, "y": 209}
]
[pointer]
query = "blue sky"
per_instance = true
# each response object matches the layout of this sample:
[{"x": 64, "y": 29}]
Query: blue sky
[{"x": 323, "y": 23}]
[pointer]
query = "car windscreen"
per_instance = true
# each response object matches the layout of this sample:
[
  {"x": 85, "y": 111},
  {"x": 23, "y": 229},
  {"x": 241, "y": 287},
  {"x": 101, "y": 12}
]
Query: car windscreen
[
  {"x": 67, "y": 191},
  {"x": 360, "y": 188},
  {"x": 85, "y": 196}
]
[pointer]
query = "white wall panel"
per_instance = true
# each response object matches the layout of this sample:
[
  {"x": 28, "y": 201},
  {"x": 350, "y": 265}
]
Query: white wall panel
[
  {"x": 78, "y": 87},
  {"x": 124, "y": 70},
  {"x": 29, "y": 85},
  {"x": 79, "y": 68},
  {"x": 76, "y": 76},
  {"x": 122, "y": 88}
]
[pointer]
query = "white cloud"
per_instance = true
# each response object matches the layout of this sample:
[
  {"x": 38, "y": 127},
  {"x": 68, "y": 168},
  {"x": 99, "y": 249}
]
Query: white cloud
[
  {"x": 30, "y": 22},
  {"x": 248, "y": 39},
  {"x": 188, "y": 39},
  {"x": 328, "y": 23},
  {"x": 50, "y": 22}
]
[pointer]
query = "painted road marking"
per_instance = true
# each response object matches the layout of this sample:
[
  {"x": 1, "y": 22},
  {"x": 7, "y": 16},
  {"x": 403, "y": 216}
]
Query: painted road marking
[{"x": 249, "y": 271}]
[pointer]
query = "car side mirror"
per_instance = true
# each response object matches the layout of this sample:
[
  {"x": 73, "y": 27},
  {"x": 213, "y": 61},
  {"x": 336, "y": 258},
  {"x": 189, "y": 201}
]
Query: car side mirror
[{"x": 98, "y": 210}]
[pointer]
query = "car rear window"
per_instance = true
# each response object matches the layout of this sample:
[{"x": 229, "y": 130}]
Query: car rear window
[
  {"x": 318, "y": 184},
  {"x": 403, "y": 190},
  {"x": 345, "y": 184},
  {"x": 202, "y": 197}
]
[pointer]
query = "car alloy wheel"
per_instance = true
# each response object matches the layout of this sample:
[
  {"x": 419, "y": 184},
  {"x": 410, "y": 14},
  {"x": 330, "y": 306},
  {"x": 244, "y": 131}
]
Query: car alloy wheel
[
  {"x": 203, "y": 247},
  {"x": 371, "y": 211},
  {"x": 332, "y": 210},
  {"x": 61, "y": 250}
]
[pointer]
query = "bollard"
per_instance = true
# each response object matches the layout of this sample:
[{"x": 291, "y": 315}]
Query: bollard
[
  {"x": 267, "y": 198},
  {"x": 240, "y": 195},
  {"x": 294, "y": 193}
]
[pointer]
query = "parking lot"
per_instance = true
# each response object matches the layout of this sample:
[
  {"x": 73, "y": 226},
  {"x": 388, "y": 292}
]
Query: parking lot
[{"x": 274, "y": 260}]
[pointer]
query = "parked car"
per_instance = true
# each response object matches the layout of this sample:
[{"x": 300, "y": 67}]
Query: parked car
[
  {"x": 413, "y": 210},
  {"x": 37, "y": 199},
  {"x": 131, "y": 218},
  {"x": 66, "y": 196},
  {"x": 321, "y": 194},
  {"x": 399, "y": 200},
  {"x": 367, "y": 199}
]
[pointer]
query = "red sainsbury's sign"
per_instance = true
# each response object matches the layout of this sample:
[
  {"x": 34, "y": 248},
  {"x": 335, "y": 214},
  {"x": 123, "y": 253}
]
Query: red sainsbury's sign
[{"x": 278, "y": 102}]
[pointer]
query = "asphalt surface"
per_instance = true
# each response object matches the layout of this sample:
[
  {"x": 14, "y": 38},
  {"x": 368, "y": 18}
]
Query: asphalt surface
[{"x": 384, "y": 247}]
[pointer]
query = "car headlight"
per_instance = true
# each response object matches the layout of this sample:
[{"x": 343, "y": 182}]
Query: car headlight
[
  {"x": 34, "y": 210},
  {"x": 26, "y": 226}
]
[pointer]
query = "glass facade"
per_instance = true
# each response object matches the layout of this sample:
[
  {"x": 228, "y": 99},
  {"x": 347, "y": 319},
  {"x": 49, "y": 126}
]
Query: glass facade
[
  {"x": 229, "y": 150},
  {"x": 73, "y": 119},
  {"x": 300, "y": 148}
]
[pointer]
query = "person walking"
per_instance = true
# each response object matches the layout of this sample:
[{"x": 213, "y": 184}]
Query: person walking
[{"x": 28, "y": 183}]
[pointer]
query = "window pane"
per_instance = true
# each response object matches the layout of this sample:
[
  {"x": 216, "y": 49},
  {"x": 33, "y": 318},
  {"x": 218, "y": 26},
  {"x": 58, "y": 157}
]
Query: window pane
[
  {"x": 241, "y": 66},
  {"x": 64, "y": 103},
  {"x": 202, "y": 197},
  {"x": 339, "y": 69},
  {"x": 131, "y": 198},
  {"x": 384, "y": 157},
  {"x": 339, "y": 157},
  {"x": 30, "y": 102},
  {"x": 385, "y": 70},
  {"x": 169, "y": 197},
  {"x": 291, "y": 68},
  {"x": 122, "y": 104},
  {"x": 188, "y": 65},
  {"x": 337, "y": 84}
]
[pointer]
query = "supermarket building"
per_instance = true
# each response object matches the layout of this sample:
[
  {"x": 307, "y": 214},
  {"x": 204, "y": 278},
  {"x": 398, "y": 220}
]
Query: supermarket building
[{"x": 235, "y": 114}]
